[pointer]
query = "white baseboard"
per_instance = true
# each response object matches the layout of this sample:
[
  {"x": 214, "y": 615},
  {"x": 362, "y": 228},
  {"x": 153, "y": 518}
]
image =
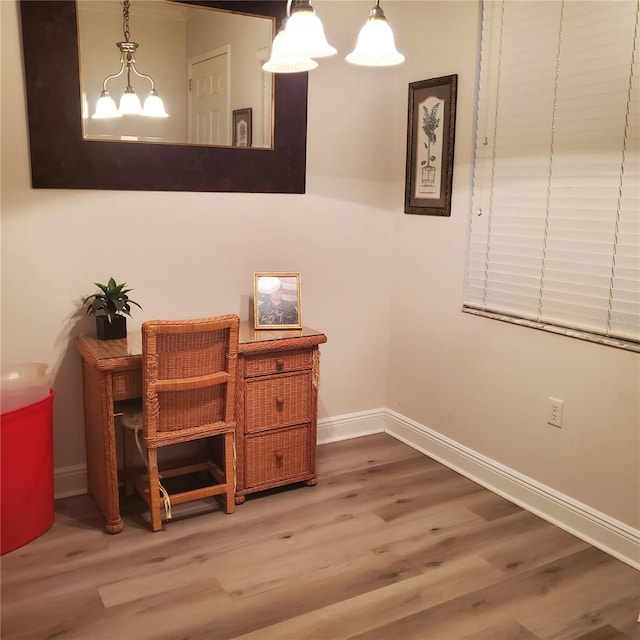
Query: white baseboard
[
  {"x": 70, "y": 481},
  {"x": 351, "y": 425},
  {"x": 588, "y": 524}
]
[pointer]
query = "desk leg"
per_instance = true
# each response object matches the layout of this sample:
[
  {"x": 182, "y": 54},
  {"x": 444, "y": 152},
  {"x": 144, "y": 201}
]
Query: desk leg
[{"x": 102, "y": 466}]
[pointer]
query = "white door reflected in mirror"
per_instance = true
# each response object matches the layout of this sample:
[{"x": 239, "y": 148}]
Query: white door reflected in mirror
[{"x": 209, "y": 119}]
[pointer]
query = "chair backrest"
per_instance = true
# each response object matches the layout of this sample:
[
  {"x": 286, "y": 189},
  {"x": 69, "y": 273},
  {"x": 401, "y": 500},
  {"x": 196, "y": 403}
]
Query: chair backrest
[{"x": 189, "y": 373}]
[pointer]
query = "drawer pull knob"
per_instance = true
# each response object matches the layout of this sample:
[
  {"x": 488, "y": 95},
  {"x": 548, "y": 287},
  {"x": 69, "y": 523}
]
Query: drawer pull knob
[
  {"x": 278, "y": 456},
  {"x": 279, "y": 401},
  {"x": 279, "y": 363}
]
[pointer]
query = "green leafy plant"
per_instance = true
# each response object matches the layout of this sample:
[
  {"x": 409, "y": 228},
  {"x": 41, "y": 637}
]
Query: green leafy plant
[{"x": 112, "y": 302}]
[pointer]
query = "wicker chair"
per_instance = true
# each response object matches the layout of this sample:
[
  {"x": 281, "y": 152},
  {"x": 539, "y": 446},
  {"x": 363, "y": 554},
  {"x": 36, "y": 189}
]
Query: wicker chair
[{"x": 189, "y": 369}]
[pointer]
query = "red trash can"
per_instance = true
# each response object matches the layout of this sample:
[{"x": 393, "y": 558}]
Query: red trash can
[{"x": 26, "y": 473}]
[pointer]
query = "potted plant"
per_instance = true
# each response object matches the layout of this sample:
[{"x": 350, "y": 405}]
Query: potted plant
[{"x": 110, "y": 307}]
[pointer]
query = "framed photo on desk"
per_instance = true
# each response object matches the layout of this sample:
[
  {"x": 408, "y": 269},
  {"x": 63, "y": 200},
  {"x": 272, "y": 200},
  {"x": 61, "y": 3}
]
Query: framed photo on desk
[{"x": 277, "y": 300}]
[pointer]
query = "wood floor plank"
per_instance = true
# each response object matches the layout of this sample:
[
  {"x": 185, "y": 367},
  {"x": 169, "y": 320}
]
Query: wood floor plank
[
  {"x": 355, "y": 454},
  {"x": 606, "y": 632},
  {"x": 135, "y": 587},
  {"x": 312, "y": 591},
  {"x": 616, "y": 613},
  {"x": 440, "y": 544},
  {"x": 290, "y": 555},
  {"x": 506, "y": 630},
  {"x": 392, "y": 603},
  {"x": 166, "y": 615},
  {"x": 491, "y": 507},
  {"x": 531, "y": 549}
]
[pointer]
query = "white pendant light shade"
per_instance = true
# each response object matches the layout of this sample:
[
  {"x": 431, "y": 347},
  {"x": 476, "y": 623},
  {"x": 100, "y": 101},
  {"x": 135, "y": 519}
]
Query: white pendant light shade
[
  {"x": 376, "y": 45},
  {"x": 153, "y": 106},
  {"x": 307, "y": 34},
  {"x": 301, "y": 39},
  {"x": 106, "y": 107},
  {"x": 130, "y": 103},
  {"x": 284, "y": 60}
]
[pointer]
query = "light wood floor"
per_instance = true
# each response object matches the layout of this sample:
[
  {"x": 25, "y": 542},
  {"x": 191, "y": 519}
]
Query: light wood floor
[{"x": 390, "y": 545}]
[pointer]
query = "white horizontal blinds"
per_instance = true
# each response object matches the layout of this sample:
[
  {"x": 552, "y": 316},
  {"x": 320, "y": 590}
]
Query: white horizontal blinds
[
  {"x": 476, "y": 276},
  {"x": 513, "y": 161},
  {"x": 624, "y": 317},
  {"x": 554, "y": 226},
  {"x": 593, "y": 89}
]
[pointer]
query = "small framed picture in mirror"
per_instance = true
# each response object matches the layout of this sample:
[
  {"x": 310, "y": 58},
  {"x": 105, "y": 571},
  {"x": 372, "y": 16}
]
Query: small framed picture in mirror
[
  {"x": 277, "y": 300},
  {"x": 242, "y": 127}
]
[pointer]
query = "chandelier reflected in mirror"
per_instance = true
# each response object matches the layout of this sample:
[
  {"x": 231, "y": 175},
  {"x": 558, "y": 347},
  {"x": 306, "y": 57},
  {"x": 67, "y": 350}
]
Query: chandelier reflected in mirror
[{"x": 129, "y": 102}]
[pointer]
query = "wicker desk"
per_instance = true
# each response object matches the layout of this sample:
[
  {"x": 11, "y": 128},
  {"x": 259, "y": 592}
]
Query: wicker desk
[{"x": 276, "y": 404}]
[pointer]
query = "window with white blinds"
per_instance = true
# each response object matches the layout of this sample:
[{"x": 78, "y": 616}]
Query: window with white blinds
[{"x": 555, "y": 222}]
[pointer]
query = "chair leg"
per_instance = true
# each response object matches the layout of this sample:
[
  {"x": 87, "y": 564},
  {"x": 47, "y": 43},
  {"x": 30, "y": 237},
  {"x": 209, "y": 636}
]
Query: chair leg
[
  {"x": 155, "y": 502},
  {"x": 230, "y": 472}
]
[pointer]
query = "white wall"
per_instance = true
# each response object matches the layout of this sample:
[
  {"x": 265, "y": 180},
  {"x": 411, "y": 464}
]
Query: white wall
[{"x": 385, "y": 287}]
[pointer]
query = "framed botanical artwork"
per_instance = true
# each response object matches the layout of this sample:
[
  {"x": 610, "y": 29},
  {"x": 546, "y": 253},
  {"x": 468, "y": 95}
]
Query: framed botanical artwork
[
  {"x": 430, "y": 142},
  {"x": 277, "y": 300},
  {"x": 242, "y": 127}
]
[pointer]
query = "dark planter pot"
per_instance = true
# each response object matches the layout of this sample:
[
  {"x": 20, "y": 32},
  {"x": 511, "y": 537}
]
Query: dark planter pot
[{"x": 106, "y": 330}]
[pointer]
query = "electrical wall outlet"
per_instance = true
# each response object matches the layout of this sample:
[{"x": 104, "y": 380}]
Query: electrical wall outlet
[{"x": 555, "y": 412}]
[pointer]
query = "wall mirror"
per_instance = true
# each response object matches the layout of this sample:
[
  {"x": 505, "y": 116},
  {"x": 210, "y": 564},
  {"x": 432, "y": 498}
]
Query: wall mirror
[{"x": 66, "y": 152}]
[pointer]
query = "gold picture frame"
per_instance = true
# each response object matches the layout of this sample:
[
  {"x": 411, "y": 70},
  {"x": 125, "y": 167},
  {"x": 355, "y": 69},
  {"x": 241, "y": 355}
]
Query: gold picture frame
[{"x": 277, "y": 300}]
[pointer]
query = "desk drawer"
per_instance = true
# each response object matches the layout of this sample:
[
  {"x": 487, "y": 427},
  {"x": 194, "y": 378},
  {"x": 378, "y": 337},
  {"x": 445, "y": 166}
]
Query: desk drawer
[
  {"x": 274, "y": 457},
  {"x": 127, "y": 384},
  {"x": 278, "y": 401},
  {"x": 264, "y": 364}
]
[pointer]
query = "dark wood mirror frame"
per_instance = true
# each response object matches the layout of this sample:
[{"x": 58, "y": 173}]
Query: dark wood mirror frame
[{"x": 62, "y": 159}]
